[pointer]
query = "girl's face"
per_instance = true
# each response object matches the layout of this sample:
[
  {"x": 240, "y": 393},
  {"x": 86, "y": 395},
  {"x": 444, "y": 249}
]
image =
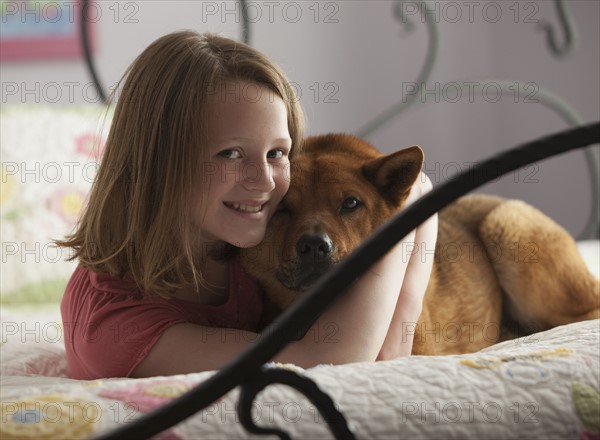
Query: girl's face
[{"x": 247, "y": 173}]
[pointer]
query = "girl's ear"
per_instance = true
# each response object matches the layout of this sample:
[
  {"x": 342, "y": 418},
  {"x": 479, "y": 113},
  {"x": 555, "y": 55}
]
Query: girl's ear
[{"x": 394, "y": 174}]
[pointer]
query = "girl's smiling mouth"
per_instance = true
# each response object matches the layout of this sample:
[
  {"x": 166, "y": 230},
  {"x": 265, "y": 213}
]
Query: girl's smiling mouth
[{"x": 251, "y": 208}]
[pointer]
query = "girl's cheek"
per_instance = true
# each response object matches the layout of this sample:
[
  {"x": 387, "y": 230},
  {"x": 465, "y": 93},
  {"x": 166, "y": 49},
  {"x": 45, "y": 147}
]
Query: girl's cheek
[
  {"x": 284, "y": 176},
  {"x": 283, "y": 184}
]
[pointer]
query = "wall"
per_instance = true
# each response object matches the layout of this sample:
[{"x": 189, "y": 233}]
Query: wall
[{"x": 351, "y": 60}]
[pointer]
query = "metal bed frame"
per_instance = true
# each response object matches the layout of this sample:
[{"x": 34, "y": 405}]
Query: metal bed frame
[{"x": 248, "y": 371}]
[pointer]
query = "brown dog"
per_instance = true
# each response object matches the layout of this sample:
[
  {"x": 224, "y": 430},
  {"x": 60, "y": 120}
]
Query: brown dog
[{"x": 501, "y": 267}]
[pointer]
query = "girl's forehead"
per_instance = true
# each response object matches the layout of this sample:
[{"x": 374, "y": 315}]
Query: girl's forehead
[
  {"x": 242, "y": 95},
  {"x": 235, "y": 91},
  {"x": 241, "y": 112}
]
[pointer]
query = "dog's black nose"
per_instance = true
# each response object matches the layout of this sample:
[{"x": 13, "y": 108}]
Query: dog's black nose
[{"x": 314, "y": 247}]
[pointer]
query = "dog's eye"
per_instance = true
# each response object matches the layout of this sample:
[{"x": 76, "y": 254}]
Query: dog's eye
[
  {"x": 283, "y": 209},
  {"x": 350, "y": 204}
]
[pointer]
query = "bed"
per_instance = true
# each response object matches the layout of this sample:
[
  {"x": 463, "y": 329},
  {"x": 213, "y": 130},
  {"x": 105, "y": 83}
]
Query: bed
[
  {"x": 544, "y": 385},
  {"x": 541, "y": 386}
]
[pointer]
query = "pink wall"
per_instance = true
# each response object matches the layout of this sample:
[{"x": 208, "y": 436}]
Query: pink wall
[{"x": 352, "y": 60}]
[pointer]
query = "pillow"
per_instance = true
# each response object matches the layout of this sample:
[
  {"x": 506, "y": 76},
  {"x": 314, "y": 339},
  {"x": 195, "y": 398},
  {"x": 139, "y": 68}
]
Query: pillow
[
  {"x": 49, "y": 157},
  {"x": 590, "y": 251}
]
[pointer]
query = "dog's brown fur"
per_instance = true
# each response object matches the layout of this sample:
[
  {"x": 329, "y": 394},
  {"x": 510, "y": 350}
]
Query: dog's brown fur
[{"x": 501, "y": 267}]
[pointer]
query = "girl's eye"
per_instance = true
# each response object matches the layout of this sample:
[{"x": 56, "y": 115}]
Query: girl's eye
[
  {"x": 350, "y": 204},
  {"x": 229, "y": 154},
  {"x": 275, "y": 154}
]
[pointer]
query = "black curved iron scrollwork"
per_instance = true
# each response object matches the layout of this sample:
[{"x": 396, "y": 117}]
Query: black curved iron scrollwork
[
  {"x": 566, "y": 22},
  {"x": 87, "y": 51},
  {"x": 246, "y": 368},
  {"x": 267, "y": 376}
]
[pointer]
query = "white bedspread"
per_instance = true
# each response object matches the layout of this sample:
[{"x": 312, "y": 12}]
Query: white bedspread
[{"x": 540, "y": 386}]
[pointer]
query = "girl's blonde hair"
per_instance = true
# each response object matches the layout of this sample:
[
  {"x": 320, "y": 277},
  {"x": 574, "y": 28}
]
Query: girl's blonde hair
[{"x": 137, "y": 219}]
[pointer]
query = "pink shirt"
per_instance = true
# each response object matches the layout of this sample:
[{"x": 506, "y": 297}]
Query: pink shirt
[{"x": 110, "y": 325}]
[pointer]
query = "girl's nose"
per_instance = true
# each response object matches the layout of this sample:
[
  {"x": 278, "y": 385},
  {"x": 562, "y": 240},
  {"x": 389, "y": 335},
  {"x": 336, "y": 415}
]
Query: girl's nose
[{"x": 258, "y": 177}]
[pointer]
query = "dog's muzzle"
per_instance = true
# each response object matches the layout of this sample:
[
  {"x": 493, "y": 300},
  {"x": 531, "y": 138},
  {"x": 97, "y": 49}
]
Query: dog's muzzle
[{"x": 314, "y": 254}]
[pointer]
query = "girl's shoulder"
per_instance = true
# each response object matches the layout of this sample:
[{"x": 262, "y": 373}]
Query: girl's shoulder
[
  {"x": 98, "y": 291},
  {"x": 84, "y": 280}
]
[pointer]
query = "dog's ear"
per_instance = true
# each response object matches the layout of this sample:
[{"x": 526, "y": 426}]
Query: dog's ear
[{"x": 394, "y": 174}]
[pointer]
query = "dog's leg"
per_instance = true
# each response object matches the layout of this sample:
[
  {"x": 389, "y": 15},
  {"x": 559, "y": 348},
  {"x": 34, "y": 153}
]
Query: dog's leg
[{"x": 539, "y": 268}]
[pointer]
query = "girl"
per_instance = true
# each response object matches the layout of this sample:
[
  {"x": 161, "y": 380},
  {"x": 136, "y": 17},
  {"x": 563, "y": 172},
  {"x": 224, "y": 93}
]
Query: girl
[{"x": 196, "y": 159}]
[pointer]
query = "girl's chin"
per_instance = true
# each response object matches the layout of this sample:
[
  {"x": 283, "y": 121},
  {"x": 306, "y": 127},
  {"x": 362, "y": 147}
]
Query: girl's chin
[
  {"x": 245, "y": 241},
  {"x": 247, "y": 244}
]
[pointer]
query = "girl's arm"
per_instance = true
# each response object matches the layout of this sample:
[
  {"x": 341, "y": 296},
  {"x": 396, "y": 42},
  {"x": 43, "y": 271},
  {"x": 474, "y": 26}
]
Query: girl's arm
[
  {"x": 353, "y": 329},
  {"x": 410, "y": 302}
]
